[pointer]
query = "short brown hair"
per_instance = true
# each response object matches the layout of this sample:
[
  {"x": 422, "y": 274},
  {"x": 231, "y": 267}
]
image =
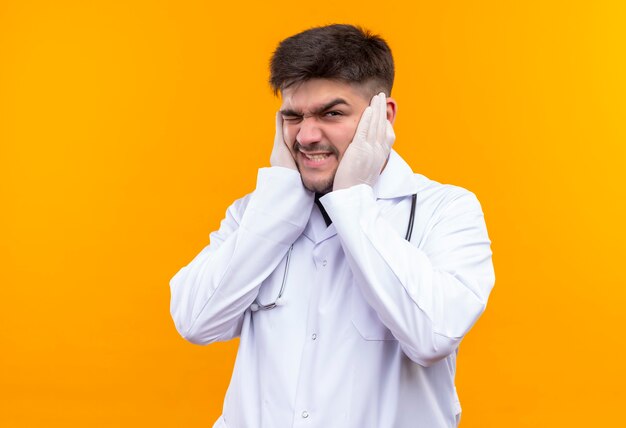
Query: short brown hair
[{"x": 338, "y": 51}]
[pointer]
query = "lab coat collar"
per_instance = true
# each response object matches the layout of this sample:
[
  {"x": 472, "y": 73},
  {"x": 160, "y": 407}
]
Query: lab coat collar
[
  {"x": 396, "y": 180},
  {"x": 316, "y": 229}
]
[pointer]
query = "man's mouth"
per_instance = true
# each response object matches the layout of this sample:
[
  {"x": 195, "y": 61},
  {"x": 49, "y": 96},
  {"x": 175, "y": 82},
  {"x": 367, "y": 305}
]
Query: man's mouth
[{"x": 315, "y": 156}]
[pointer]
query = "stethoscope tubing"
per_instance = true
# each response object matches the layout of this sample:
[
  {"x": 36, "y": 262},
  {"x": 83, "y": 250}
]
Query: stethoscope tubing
[{"x": 257, "y": 306}]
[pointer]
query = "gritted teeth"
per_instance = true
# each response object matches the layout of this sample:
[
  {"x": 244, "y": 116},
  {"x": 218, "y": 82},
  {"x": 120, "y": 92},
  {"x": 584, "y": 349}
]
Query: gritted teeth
[{"x": 316, "y": 156}]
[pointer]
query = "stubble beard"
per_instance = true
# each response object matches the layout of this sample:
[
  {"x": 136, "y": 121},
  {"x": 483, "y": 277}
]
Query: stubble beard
[{"x": 320, "y": 188}]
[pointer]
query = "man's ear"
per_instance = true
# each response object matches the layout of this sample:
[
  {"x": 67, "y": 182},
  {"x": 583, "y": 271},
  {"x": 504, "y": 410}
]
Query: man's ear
[{"x": 392, "y": 109}]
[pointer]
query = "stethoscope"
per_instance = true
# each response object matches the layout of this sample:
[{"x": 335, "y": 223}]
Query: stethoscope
[{"x": 256, "y": 306}]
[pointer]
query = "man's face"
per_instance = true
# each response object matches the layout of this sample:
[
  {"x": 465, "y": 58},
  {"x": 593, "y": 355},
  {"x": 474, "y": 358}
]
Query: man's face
[{"x": 320, "y": 118}]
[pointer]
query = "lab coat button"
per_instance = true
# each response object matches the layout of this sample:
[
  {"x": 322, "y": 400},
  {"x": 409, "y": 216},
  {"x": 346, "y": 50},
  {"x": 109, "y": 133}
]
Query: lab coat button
[
  {"x": 324, "y": 262},
  {"x": 305, "y": 414},
  {"x": 314, "y": 336}
]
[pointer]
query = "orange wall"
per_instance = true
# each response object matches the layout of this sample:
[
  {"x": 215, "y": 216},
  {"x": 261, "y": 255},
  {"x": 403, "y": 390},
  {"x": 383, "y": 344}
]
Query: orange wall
[{"x": 127, "y": 127}]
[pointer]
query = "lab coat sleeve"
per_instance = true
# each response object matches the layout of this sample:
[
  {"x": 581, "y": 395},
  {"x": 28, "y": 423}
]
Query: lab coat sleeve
[
  {"x": 429, "y": 297},
  {"x": 210, "y": 295}
]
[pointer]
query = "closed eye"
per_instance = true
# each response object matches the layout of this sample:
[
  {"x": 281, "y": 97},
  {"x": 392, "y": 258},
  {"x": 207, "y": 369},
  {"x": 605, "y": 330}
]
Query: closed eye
[{"x": 292, "y": 118}]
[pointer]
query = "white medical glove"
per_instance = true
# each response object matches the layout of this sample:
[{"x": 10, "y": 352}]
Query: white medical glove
[
  {"x": 281, "y": 156},
  {"x": 363, "y": 160}
]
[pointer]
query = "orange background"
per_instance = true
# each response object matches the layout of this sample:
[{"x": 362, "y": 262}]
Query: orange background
[{"x": 128, "y": 127}]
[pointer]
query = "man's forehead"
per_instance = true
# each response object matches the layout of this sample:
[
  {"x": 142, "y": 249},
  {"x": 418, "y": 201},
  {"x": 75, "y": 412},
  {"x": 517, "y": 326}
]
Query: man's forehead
[
  {"x": 315, "y": 95},
  {"x": 315, "y": 105}
]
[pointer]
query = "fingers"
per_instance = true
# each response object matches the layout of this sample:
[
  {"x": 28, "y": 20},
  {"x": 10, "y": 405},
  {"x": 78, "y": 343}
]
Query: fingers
[
  {"x": 381, "y": 130},
  {"x": 362, "y": 129},
  {"x": 390, "y": 135},
  {"x": 378, "y": 127},
  {"x": 281, "y": 156},
  {"x": 278, "y": 136},
  {"x": 385, "y": 133},
  {"x": 371, "y": 132}
]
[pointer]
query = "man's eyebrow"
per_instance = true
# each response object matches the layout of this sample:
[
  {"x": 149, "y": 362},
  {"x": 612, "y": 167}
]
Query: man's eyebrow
[
  {"x": 290, "y": 112},
  {"x": 320, "y": 109},
  {"x": 329, "y": 105}
]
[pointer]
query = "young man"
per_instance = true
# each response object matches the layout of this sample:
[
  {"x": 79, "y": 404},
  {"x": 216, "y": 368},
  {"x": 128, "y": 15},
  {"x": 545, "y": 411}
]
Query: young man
[{"x": 349, "y": 279}]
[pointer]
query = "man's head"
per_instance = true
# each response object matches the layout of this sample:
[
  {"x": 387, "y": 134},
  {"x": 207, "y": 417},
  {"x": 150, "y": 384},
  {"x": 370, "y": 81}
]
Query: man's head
[
  {"x": 327, "y": 77},
  {"x": 339, "y": 52}
]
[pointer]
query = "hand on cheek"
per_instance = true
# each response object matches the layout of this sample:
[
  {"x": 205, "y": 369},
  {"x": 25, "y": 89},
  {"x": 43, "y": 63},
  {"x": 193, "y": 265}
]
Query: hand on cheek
[
  {"x": 281, "y": 155},
  {"x": 365, "y": 157}
]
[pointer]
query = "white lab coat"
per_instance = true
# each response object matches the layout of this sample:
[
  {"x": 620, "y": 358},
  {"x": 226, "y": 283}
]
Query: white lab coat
[{"x": 369, "y": 329}]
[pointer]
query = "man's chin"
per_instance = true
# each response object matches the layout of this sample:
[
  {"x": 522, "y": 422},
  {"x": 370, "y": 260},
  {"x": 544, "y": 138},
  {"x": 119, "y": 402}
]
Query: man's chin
[{"x": 319, "y": 187}]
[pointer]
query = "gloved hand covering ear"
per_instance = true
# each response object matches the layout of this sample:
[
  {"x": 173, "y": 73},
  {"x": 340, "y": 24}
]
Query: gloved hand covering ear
[
  {"x": 281, "y": 156},
  {"x": 363, "y": 160}
]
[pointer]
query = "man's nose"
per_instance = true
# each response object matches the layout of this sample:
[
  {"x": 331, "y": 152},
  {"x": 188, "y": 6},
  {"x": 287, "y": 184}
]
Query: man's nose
[{"x": 309, "y": 131}]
